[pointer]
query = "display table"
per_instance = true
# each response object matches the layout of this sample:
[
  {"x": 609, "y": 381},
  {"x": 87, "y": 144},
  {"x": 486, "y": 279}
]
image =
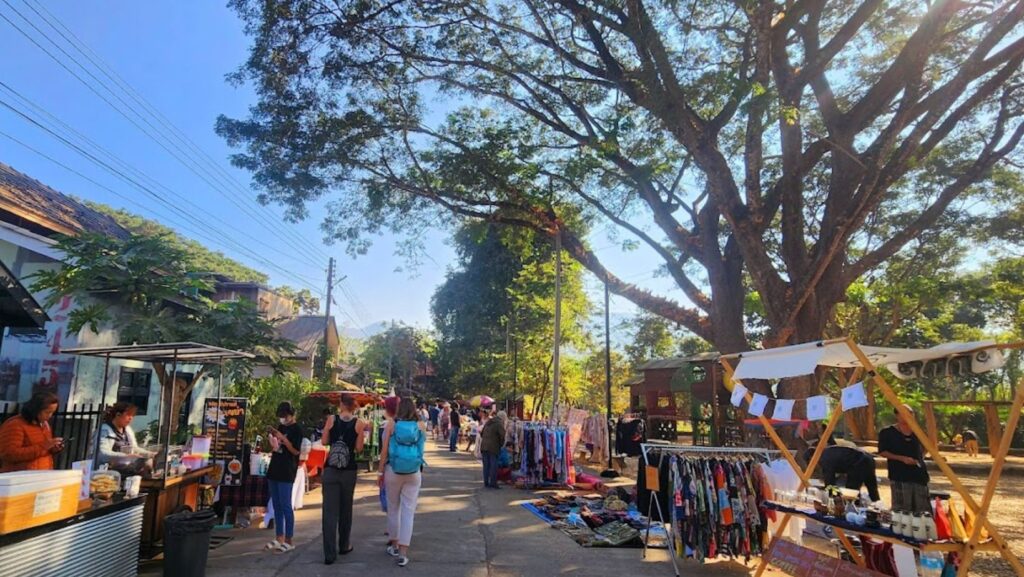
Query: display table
[
  {"x": 253, "y": 492},
  {"x": 101, "y": 540},
  {"x": 877, "y": 533},
  {"x": 166, "y": 496}
]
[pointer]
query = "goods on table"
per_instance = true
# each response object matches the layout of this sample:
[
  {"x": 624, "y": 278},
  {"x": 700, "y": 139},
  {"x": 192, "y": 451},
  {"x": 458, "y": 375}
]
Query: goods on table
[
  {"x": 31, "y": 498},
  {"x": 104, "y": 484},
  {"x": 590, "y": 522}
]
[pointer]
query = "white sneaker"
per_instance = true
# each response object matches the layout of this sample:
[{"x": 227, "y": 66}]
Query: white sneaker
[
  {"x": 403, "y": 561},
  {"x": 392, "y": 551}
]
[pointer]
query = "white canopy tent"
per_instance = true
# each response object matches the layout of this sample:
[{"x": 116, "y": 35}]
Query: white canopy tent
[
  {"x": 803, "y": 359},
  {"x": 851, "y": 361}
]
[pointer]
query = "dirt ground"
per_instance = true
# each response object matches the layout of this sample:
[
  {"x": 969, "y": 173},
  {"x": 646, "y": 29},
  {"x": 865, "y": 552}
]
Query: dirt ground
[{"x": 1006, "y": 512}]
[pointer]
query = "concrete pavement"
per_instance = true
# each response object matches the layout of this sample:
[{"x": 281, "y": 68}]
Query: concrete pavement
[{"x": 462, "y": 530}]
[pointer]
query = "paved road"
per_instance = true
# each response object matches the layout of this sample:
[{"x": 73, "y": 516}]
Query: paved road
[{"x": 462, "y": 530}]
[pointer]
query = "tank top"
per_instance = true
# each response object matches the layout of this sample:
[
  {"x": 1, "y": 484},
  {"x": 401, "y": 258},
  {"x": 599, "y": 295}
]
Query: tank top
[{"x": 346, "y": 431}]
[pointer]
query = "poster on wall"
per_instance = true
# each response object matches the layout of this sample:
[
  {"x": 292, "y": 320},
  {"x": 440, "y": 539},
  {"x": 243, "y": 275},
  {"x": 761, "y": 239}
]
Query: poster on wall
[{"x": 224, "y": 422}]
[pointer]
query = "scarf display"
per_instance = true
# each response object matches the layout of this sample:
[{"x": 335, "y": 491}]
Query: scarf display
[
  {"x": 716, "y": 506},
  {"x": 545, "y": 458}
]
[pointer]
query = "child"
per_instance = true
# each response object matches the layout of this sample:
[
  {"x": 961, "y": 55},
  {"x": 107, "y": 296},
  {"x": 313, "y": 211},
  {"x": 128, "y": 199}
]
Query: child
[{"x": 474, "y": 430}]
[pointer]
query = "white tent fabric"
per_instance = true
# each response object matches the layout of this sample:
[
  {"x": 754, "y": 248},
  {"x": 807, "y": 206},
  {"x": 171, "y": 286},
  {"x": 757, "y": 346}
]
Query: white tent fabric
[{"x": 802, "y": 359}]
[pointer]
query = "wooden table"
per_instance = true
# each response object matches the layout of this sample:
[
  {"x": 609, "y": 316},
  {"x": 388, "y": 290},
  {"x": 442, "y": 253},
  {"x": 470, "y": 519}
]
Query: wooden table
[{"x": 166, "y": 496}]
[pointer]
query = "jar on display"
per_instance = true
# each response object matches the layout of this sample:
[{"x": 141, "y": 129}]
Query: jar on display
[
  {"x": 898, "y": 518},
  {"x": 920, "y": 531},
  {"x": 931, "y": 530}
]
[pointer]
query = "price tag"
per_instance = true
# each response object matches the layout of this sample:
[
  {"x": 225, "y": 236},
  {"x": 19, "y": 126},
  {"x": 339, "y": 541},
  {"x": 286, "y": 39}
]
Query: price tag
[{"x": 47, "y": 502}]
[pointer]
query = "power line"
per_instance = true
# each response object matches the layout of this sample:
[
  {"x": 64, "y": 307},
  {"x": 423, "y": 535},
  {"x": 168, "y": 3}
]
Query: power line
[
  {"x": 135, "y": 95},
  {"x": 177, "y": 154},
  {"x": 156, "y": 196},
  {"x": 116, "y": 193},
  {"x": 89, "y": 143}
]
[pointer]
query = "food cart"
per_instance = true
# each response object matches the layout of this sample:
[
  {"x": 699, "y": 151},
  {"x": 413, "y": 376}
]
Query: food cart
[
  {"x": 851, "y": 363},
  {"x": 165, "y": 489}
]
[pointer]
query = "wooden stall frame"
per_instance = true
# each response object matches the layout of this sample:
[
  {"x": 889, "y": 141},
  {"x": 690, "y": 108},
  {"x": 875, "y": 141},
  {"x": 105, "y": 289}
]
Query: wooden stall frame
[{"x": 966, "y": 550}]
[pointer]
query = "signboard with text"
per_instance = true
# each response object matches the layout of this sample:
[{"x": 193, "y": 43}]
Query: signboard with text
[
  {"x": 799, "y": 561},
  {"x": 224, "y": 423}
]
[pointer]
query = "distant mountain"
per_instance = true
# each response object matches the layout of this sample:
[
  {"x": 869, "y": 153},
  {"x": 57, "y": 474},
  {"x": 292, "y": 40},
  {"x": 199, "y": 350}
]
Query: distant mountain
[{"x": 364, "y": 332}]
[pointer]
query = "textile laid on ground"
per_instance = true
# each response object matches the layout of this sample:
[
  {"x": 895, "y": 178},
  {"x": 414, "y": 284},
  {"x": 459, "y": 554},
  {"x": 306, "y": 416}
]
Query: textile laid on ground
[
  {"x": 594, "y": 521},
  {"x": 717, "y": 507},
  {"x": 544, "y": 456}
]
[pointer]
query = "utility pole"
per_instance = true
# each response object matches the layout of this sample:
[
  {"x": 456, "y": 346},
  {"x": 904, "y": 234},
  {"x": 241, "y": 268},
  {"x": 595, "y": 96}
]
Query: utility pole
[
  {"x": 608, "y": 473},
  {"x": 558, "y": 324},
  {"x": 327, "y": 317}
]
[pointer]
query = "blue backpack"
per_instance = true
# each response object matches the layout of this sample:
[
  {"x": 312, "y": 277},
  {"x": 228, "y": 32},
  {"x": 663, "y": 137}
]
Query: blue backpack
[{"x": 405, "y": 450}]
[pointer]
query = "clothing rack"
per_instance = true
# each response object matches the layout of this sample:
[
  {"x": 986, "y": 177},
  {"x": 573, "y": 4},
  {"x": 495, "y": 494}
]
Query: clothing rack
[{"x": 647, "y": 448}]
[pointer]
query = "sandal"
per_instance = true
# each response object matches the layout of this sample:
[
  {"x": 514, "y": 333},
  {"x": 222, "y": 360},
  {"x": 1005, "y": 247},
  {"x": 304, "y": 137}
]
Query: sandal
[
  {"x": 286, "y": 547},
  {"x": 271, "y": 545}
]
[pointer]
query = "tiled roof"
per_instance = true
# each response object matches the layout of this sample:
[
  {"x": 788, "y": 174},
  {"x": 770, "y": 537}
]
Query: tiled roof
[
  {"x": 676, "y": 362},
  {"x": 49, "y": 209}
]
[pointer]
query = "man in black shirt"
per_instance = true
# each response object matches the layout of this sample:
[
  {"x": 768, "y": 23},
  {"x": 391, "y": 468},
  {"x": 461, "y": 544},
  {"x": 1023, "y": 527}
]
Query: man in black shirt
[
  {"x": 453, "y": 439},
  {"x": 907, "y": 472},
  {"x": 856, "y": 464}
]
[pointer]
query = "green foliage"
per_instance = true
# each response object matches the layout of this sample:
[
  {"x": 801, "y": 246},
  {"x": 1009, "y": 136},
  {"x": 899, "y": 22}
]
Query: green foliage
[
  {"x": 266, "y": 393},
  {"x": 197, "y": 257},
  {"x": 654, "y": 338},
  {"x": 303, "y": 300},
  {"x": 142, "y": 288},
  {"x": 786, "y": 169},
  {"x": 395, "y": 356},
  {"x": 503, "y": 291}
]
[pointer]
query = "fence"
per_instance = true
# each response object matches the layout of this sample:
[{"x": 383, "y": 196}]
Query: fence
[{"x": 76, "y": 424}]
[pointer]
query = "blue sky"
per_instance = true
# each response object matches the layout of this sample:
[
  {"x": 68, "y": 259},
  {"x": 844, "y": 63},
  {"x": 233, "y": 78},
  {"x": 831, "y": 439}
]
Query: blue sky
[{"x": 175, "y": 55}]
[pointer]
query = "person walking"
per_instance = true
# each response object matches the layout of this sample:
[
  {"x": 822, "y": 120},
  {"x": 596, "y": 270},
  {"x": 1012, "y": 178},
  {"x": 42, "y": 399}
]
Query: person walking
[
  {"x": 492, "y": 439},
  {"x": 455, "y": 424},
  {"x": 907, "y": 471},
  {"x": 285, "y": 442},
  {"x": 970, "y": 442},
  {"x": 400, "y": 471},
  {"x": 433, "y": 413},
  {"x": 339, "y": 478}
]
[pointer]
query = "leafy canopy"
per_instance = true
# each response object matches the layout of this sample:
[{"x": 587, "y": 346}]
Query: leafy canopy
[{"x": 779, "y": 150}]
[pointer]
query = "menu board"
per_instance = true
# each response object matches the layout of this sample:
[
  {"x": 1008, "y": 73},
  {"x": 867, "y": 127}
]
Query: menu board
[
  {"x": 224, "y": 422},
  {"x": 800, "y": 561}
]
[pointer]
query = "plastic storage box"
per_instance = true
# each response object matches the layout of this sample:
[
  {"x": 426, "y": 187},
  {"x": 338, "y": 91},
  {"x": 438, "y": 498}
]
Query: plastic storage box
[{"x": 32, "y": 498}]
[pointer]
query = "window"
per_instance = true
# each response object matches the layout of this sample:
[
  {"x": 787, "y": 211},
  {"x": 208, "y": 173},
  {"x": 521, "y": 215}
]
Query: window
[{"x": 133, "y": 387}]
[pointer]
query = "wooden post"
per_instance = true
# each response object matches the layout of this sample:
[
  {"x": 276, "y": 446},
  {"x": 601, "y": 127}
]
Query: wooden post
[
  {"x": 940, "y": 461},
  {"x": 992, "y": 425},
  {"x": 872, "y": 434},
  {"x": 931, "y": 423},
  {"x": 990, "y": 487}
]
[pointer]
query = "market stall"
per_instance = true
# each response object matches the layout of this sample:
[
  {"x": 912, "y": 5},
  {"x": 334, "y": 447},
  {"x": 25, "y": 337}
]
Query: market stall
[
  {"x": 101, "y": 538},
  {"x": 850, "y": 363},
  {"x": 175, "y": 480}
]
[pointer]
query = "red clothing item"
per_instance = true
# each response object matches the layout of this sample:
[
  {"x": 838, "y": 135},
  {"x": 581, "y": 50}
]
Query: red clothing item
[{"x": 23, "y": 446}]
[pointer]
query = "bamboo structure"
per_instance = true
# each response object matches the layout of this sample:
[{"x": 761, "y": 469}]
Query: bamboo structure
[{"x": 980, "y": 509}]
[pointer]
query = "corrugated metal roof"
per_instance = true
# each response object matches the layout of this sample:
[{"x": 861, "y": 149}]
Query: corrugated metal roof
[
  {"x": 305, "y": 331},
  {"x": 676, "y": 362},
  {"x": 35, "y": 202},
  {"x": 184, "y": 352}
]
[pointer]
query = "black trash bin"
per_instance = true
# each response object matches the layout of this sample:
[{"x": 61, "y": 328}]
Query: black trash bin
[{"x": 187, "y": 542}]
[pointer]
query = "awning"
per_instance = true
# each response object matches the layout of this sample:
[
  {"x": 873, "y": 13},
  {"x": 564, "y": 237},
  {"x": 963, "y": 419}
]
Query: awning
[
  {"x": 184, "y": 352},
  {"x": 17, "y": 306},
  {"x": 796, "y": 360}
]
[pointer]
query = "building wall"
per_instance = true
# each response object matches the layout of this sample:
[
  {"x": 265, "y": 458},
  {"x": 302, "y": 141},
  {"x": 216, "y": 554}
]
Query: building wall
[{"x": 30, "y": 360}]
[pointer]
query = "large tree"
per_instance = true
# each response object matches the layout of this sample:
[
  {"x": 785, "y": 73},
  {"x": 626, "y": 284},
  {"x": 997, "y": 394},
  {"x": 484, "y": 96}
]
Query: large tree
[{"x": 775, "y": 148}]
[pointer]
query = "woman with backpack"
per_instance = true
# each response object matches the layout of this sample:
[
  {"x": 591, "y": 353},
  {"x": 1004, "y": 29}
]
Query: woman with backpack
[
  {"x": 344, "y": 434},
  {"x": 400, "y": 470}
]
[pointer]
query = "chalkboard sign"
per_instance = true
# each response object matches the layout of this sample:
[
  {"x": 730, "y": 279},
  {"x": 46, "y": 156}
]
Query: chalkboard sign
[
  {"x": 224, "y": 422},
  {"x": 799, "y": 561}
]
